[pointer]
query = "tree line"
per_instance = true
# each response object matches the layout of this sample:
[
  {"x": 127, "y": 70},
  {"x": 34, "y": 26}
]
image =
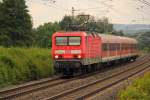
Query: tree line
[
  {"x": 70, "y": 23},
  {"x": 15, "y": 23},
  {"x": 143, "y": 40},
  {"x": 16, "y": 27}
]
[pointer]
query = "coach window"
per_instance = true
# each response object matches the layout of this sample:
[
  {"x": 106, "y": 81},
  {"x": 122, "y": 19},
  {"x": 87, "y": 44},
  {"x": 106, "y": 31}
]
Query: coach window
[
  {"x": 112, "y": 46},
  {"x": 136, "y": 46},
  {"x": 123, "y": 46},
  {"x": 115, "y": 46},
  {"x": 61, "y": 41},
  {"x": 74, "y": 41},
  {"x": 118, "y": 46},
  {"x": 132, "y": 46},
  {"x": 126, "y": 46},
  {"x": 104, "y": 46}
]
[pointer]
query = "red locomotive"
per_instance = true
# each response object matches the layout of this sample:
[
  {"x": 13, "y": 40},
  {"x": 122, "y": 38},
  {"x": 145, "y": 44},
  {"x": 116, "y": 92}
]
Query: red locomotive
[{"x": 81, "y": 51}]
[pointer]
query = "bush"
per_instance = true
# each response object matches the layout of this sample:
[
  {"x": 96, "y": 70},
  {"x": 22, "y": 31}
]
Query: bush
[
  {"x": 139, "y": 90},
  {"x": 146, "y": 50},
  {"x": 19, "y": 65}
]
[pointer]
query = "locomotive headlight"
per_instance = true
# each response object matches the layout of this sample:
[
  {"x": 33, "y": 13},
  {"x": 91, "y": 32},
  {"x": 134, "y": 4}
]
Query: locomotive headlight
[
  {"x": 79, "y": 56},
  {"x": 56, "y": 56}
]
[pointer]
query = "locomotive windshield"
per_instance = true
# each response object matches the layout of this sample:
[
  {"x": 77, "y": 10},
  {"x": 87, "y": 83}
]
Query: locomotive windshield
[
  {"x": 74, "y": 40},
  {"x": 61, "y": 41},
  {"x": 69, "y": 40}
]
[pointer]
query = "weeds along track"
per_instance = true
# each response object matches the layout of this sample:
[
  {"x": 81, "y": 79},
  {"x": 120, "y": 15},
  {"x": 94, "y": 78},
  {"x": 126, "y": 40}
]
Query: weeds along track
[
  {"x": 93, "y": 87},
  {"x": 54, "y": 86}
]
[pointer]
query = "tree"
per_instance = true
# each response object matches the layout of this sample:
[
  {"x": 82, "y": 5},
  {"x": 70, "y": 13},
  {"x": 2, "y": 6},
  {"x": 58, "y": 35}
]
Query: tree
[
  {"x": 44, "y": 33},
  {"x": 144, "y": 40},
  {"x": 3, "y": 36},
  {"x": 16, "y": 24},
  {"x": 85, "y": 22},
  {"x": 66, "y": 23},
  {"x": 119, "y": 33}
]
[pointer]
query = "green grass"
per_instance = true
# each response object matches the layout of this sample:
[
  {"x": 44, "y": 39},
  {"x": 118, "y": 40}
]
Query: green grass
[
  {"x": 139, "y": 90},
  {"x": 18, "y": 65}
]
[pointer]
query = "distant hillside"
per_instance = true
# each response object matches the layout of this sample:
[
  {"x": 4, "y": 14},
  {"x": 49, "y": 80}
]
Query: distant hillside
[{"x": 132, "y": 28}]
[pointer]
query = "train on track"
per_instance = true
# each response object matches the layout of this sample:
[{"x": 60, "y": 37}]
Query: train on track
[{"x": 82, "y": 52}]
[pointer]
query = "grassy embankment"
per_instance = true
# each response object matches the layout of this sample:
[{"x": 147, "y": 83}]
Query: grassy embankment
[
  {"x": 138, "y": 90},
  {"x": 18, "y": 65}
]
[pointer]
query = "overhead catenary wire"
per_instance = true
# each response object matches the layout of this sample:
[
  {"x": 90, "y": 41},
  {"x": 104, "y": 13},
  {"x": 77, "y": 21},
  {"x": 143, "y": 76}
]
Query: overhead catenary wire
[
  {"x": 54, "y": 4},
  {"x": 144, "y": 2},
  {"x": 119, "y": 12},
  {"x": 50, "y": 3}
]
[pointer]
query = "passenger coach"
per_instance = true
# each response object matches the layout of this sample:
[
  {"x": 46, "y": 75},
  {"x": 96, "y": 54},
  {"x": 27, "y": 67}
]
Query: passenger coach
[{"x": 83, "y": 52}]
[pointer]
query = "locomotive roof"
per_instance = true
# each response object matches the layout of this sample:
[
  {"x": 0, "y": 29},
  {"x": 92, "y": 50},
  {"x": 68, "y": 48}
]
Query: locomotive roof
[{"x": 74, "y": 33}]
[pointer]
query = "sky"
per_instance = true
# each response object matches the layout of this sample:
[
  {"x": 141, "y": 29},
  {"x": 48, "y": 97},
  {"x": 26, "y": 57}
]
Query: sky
[{"x": 118, "y": 11}]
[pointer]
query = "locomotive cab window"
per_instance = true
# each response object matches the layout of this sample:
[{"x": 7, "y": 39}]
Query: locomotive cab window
[
  {"x": 68, "y": 41},
  {"x": 61, "y": 41},
  {"x": 74, "y": 41}
]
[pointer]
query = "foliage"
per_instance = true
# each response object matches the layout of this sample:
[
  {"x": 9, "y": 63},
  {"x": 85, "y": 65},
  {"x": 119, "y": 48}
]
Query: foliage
[
  {"x": 146, "y": 49},
  {"x": 43, "y": 34},
  {"x": 119, "y": 33},
  {"x": 21, "y": 65},
  {"x": 66, "y": 23},
  {"x": 83, "y": 22},
  {"x": 144, "y": 40},
  {"x": 16, "y": 24},
  {"x": 139, "y": 90}
]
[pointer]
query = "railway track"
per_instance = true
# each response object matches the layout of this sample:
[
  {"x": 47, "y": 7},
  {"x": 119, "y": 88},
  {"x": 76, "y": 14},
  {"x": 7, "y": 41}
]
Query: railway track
[
  {"x": 41, "y": 85},
  {"x": 38, "y": 85},
  {"x": 91, "y": 88},
  {"x": 22, "y": 89}
]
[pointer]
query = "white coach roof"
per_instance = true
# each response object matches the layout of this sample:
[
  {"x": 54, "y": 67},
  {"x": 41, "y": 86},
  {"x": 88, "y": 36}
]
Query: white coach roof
[{"x": 116, "y": 39}]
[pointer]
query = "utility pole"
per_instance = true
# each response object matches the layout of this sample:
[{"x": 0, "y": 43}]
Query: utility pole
[
  {"x": 106, "y": 25},
  {"x": 73, "y": 10}
]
